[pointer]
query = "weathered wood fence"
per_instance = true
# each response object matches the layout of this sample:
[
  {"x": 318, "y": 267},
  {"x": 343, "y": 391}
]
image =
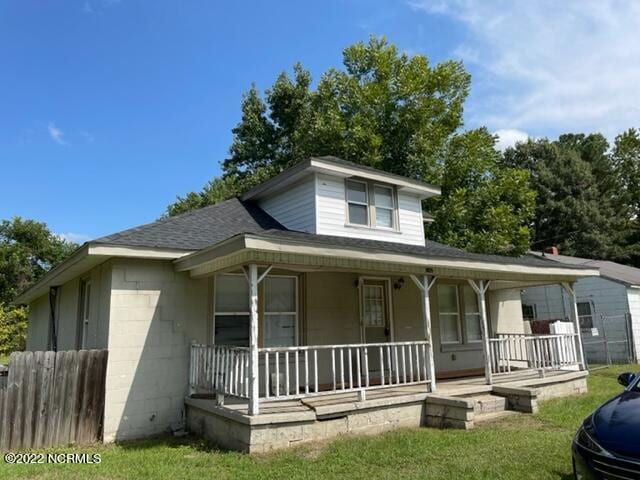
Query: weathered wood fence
[{"x": 53, "y": 398}]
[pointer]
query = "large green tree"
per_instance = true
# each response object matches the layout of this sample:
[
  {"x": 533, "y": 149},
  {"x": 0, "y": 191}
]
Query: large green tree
[
  {"x": 27, "y": 251},
  {"x": 581, "y": 206},
  {"x": 384, "y": 109},
  {"x": 484, "y": 206}
]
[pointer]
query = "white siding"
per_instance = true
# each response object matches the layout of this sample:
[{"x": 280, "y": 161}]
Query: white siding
[
  {"x": 633, "y": 294},
  {"x": 331, "y": 216},
  {"x": 294, "y": 207}
]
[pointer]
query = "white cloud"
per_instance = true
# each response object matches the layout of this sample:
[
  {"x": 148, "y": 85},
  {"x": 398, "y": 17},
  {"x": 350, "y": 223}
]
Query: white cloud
[
  {"x": 508, "y": 137},
  {"x": 555, "y": 65},
  {"x": 74, "y": 237},
  {"x": 56, "y": 134}
]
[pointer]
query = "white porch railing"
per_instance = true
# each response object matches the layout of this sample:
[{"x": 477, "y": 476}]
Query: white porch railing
[
  {"x": 221, "y": 369},
  {"x": 295, "y": 372},
  {"x": 541, "y": 352}
]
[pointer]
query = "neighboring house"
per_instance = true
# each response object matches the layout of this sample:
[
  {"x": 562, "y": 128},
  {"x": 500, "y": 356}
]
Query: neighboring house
[
  {"x": 608, "y": 306},
  {"x": 314, "y": 292}
]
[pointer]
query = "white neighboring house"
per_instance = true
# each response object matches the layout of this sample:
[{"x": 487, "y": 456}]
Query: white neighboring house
[
  {"x": 607, "y": 305},
  {"x": 317, "y": 284}
]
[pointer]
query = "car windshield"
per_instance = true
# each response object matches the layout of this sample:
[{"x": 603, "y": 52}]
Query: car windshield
[{"x": 635, "y": 384}]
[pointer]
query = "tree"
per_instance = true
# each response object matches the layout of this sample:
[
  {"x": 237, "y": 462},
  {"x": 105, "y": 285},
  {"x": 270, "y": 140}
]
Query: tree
[
  {"x": 626, "y": 160},
  {"x": 580, "y": 207},
  {"x": 484, "y": 207},
  {"x": 27, "y": 251},
  {"x": 388, "y": 110}
]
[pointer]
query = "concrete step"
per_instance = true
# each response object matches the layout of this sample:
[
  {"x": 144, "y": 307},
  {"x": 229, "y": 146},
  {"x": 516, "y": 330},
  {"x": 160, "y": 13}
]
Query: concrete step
[
  {"x": 487, "y": 403},
  {"x": 493, "y": 416}
]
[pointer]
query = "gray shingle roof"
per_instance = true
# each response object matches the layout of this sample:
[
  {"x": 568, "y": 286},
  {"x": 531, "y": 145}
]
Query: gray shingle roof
[
  {"x": 210, "y": 225},
  {"x": 197, "y": 229},
  {"x": 611, "y": 270}
]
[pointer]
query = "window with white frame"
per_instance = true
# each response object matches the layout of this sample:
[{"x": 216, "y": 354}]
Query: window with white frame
[
  {"x": 383, "y": 204},
  {"x": 449, "y": 313},
  {"x": 459, "y": 314},
  {"x": 85, "y": 313},
  {"x": 357, "y": 202},
  {"x": 472, "y": 329},
  {"x": 231, "y": 322},
  {"x": 370, "y": 204},
  {"x": 280, "y": 311}
]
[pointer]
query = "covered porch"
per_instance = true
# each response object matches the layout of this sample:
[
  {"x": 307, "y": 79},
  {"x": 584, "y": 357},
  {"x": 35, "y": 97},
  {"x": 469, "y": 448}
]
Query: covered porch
[{"x": 366, "y": 329}]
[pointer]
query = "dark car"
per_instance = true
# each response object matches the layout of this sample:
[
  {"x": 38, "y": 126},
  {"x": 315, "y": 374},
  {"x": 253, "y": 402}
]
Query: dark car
[{"x": 607, "y": 444}]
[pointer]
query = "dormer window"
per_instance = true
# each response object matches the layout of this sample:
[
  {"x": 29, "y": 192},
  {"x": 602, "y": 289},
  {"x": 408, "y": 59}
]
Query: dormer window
[
  {"x": 358, "y": 202},
  {"x": 370, "y": 205}
]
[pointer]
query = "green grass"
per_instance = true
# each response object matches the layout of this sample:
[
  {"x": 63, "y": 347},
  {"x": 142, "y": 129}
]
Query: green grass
[
  {"x": 4, "y": 359},
  {"x": 523, "y": 446}
]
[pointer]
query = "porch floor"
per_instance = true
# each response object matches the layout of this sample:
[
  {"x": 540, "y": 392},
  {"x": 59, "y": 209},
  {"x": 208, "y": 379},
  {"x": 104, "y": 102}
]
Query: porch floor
[{"x": 273, "y": 411}]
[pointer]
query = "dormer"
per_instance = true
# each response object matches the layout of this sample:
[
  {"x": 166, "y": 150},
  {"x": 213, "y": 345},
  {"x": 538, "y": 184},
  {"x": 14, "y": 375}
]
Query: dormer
[{"x": 330, "y": 196}]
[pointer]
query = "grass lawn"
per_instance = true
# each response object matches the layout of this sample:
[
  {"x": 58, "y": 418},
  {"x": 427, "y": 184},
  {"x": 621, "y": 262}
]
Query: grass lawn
[
  {"x": 522, "y": 446},
  {"x": 4, "y": 359}
]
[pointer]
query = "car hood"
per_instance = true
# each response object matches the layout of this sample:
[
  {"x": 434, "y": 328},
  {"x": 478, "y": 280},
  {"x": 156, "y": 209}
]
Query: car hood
[{"x": 616, "y": 424}]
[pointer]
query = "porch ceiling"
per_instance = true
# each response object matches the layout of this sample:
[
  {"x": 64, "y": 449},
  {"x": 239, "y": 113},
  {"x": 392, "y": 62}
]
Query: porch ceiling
[{"x": 286, "y": 253}]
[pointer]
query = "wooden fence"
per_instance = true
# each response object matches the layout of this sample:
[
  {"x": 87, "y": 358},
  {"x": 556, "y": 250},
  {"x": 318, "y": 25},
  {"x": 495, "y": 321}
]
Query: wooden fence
[{"x": 53, "y": 398}]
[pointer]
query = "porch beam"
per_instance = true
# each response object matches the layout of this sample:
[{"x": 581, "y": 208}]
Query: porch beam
[
  {"x": 481, "y": 287},
  {"x": 570, "y": 289},
  {"x": 424, "y": 284}
]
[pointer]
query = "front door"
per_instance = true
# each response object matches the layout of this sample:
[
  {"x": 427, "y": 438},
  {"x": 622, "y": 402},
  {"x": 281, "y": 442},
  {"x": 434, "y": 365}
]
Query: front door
[{"x": 375, "y": 324}]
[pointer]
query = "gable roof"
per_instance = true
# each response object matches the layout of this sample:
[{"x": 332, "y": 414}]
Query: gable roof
[{"x": 616, "y": 272}]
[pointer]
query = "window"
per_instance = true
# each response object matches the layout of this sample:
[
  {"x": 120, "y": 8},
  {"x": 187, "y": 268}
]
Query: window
[
  {"x": 383, "y": 198},
  {"x": 85, "y": 313},
  {"x": 280, "y": 311},
  {"x": 459, "y": 314},
  {"x": 370, "y": 205},
  {"x": 528, "y": 312},
  {"x": 357, "y": 202},
  {"x": 231, "y": 324},
  {"x": 448, "y": 313},
  {"x": 473, "y": 331},
  {"x": 373, "y": 305},
  {"x": 585, "y": 314}
]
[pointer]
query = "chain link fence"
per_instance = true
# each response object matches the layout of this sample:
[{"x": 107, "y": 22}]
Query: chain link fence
[{"x": 606, "y": 339}]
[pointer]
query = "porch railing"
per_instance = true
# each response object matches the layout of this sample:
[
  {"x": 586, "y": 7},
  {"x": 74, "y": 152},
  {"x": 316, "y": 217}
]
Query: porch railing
[
  {"x": 221, "y": 369},
  {"x": 295, "y": 372},
  {"x": 511, "y": 351}
]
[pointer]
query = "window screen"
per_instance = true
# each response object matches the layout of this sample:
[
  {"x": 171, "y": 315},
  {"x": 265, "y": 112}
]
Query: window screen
[
  {"x": 383, "y": 197},
  {"x": 358, "y": 203},
  {"x": 471, "y": 315},
  {"x": 280, "y": 311},
  {"x": 448, "y": 313},
  {"x": 231, "y": 311},
  {"x": 585, "y": 314}
]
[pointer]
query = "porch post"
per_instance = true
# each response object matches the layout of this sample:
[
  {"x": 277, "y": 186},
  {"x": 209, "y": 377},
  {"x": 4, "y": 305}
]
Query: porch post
[
  {"x": 480, "y": 287},
  {"x": 253, "y": 339},
  {"x": 424, "y": 285},
  {"x": 570, "y": 289}
]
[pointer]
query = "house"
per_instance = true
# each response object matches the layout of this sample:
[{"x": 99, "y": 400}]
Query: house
[
  {"x": 310, "y": 307},
  {"x": 608, "y": 306}
]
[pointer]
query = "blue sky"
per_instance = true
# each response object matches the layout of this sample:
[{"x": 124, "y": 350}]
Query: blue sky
[{"x": 111, "y": 108}]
